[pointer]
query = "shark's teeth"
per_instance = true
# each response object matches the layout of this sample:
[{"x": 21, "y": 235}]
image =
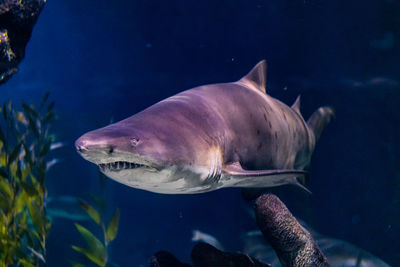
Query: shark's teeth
[{"x": 119, "y": 165}]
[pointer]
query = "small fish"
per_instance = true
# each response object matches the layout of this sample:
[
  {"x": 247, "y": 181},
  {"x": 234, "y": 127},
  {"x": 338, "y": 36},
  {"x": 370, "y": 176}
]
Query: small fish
[
  {"x": 209, "y": 137},
  {"x": 56, "y": 145},
  {"x": 51, "y": 163},
  {"x": 65, "y": 207},
  {"x": 206, "y": 238}
]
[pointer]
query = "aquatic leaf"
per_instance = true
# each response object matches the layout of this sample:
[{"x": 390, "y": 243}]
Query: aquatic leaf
[
  {"x": 20, "y": 201},
  {"x": 90, "y": 256},
  {"x": 41, "y": 172},
  {"x": 112, "y": 228},
  {"x": 5, "y": 112},
  {"x": 6, "y": 189},
  {"x": 14, "y": 153},
  {"x": 25, "y": 263},
  {"x": 2, "y": 136},
  {"x": 4, "y": 203},
  {"x": 45, "y": 149},
  {"x": 10, "y": 106},
  {"x": 37, "y": 185},
  {"x": 29, "y": 188},
  {"x": 44, "y": 100},
  {"x": 3, "y": 172},
  {"x": 51, "y": 106},
  {"x": 33, "y": 127},
  {"x": 75, "y": 264},
  {"x": 37, "y": 216},
  {"x": 24, "y": 173},
  {"x": 22, "y": 221},
  {"x": 95, "y": 247},
  {"x": 98, "y": 201},
  {"x": 29, "y": 110},
  {"x": 92, "y": 212},
  {"x": 50, "y": 116},
  {"x": 33, "y": 237},
  {"x": 27, "y": 156}
]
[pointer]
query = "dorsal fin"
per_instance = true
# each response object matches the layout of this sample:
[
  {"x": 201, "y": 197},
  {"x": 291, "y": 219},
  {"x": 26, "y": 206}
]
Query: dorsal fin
[
  {"x": 257, "y": 76},
  {"x": 296, "y": 105}
]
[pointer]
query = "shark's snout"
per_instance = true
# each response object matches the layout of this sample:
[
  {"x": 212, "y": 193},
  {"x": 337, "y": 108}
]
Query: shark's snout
[
  {"x": 80, "y": 145},
  {"x": 87, "y": 145}
]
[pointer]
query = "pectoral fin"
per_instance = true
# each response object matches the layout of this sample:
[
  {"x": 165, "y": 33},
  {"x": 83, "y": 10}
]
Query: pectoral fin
[{"x": 236, "y": 176}]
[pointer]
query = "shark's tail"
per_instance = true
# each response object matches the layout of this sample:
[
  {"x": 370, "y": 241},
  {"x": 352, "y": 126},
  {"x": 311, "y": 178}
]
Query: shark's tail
[{"x": 320, "y": 119}]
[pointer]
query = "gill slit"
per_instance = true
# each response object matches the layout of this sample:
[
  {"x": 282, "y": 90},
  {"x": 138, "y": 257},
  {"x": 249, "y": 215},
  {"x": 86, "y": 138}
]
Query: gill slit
[{"x": 215, "y": 171}]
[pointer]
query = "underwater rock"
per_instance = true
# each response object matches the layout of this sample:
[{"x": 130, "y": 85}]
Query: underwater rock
[
  {"x": 166, "y": 259},
  {"x": 17, "y": 18},
  {"x": 204, "y": 254},
  {"x": 293, "y": 244}
]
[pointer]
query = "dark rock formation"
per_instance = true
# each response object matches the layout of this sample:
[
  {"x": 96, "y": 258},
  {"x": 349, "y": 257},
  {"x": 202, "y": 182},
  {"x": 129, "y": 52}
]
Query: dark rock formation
[
  {"x": 293, "y": 244},
  {"x": 205, "y": 255},
  {"x": 17, "y": 18},
  {"x": 166, "y": 259}
]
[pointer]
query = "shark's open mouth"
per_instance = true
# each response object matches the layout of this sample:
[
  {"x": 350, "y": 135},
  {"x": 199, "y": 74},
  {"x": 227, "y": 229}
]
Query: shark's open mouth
[{"x": 119, "y": 165}]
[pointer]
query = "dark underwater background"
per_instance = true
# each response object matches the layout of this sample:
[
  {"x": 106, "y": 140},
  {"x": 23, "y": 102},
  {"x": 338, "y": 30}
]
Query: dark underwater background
[{"x": 103, "y": 61}]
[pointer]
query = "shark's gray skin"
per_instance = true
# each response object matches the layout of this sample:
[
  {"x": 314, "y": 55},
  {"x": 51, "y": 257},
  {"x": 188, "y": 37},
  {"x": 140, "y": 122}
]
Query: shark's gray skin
[{"x": 209, "y": 137}]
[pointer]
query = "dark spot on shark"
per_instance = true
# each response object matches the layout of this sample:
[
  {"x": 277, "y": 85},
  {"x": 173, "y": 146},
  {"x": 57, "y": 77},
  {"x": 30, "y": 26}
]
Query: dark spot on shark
[
  {"x": 269, "y": 124},
  {"x": 265, "y": 117},
  {"x": 110, "y": 150},
  {"x": 284, "y": 116},
  {"x": 260, "y": 145},
  {"x": 258, "y": 132},
  {"x": 276, "y": 135}
]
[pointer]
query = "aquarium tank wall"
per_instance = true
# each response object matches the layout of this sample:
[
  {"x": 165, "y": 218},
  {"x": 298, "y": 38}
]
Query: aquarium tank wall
[{"x": 104, "y": 61}]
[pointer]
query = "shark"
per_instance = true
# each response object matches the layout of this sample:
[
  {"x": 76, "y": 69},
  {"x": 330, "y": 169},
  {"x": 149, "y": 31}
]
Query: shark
[{"x": 209, "y": 137}]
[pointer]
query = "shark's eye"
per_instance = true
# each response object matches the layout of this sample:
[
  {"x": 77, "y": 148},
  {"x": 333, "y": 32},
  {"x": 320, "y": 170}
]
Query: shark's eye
[{"x": 134, "y": 141}]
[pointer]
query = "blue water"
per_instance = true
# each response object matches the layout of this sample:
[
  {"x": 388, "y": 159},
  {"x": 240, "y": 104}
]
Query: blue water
[{"x": 107, "y": 60}]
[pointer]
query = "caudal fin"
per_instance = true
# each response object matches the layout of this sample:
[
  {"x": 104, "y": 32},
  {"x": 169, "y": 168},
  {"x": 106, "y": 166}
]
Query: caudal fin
[{"x": 320, "y": 119}]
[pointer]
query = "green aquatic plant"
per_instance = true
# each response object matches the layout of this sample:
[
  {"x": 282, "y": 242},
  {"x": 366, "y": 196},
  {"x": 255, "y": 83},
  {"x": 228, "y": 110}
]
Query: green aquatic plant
[
  {"x": 96, "y": 250},
  {"x": 25, "y": 141}
]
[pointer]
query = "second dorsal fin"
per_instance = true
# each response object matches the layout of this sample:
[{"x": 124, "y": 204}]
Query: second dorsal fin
[
  {"x": 257, "y": 76},
  {"x": 296, "y": 105}
]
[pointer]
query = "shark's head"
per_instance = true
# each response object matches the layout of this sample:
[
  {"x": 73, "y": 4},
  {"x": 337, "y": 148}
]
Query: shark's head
[{"x": 148, "y": 156}]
